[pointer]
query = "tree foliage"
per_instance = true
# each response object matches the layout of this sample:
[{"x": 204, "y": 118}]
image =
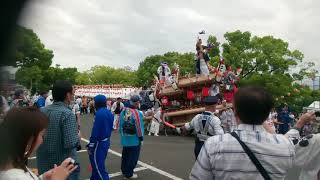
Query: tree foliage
[
  {"x": 258, "y": 54},
  {"x": 30, "y": 77},
  {"x": 37, "y": 79},
  {"x": 148, "y": 67},
  {"x": 107, "y": 75},
  {"x": 28, "y": 50}
]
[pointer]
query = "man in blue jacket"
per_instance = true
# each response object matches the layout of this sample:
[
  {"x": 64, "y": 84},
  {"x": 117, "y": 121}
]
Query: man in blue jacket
[
  {"x": 41, "y": 101},
  {"x": 131, "y": 129},
  {"x": 100, "y": 139}
]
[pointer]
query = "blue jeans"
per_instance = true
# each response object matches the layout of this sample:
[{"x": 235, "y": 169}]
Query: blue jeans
[
  {"x": 75, "y": 175},
  {"x": 129, "y": 160}
]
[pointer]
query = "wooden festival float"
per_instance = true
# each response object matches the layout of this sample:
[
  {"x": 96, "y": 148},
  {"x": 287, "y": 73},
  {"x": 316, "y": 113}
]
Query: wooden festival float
[{"x": 181, "y": 102}]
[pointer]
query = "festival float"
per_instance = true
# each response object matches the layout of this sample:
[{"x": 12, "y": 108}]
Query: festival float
[{"x": 181, "y": 97}]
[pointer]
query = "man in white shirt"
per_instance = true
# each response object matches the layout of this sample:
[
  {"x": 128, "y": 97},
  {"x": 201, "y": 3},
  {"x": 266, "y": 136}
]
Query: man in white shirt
[
  {"x": 205, "y": 124},
  {"x": 116, "y": 109},
  {"x": 155, "y": 123},
  {"x": 307, "y": 148},
  {"x": 222, "y": 157}
]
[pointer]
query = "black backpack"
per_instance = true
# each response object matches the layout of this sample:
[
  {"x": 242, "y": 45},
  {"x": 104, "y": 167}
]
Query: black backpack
[
  {"x": 128, "y": 126},
  {"x": 117, "y": 110}
]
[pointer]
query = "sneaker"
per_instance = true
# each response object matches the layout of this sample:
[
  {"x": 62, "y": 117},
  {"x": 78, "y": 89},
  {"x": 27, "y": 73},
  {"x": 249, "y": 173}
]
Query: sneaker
[
  {"x": 134, "y": 176},
  {"x": 149, "y": 134},
  {"x": 156, "y": 135}
]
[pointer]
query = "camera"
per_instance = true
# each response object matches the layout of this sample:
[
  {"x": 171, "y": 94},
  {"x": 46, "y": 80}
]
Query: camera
[{"x": 72, "y": 161}]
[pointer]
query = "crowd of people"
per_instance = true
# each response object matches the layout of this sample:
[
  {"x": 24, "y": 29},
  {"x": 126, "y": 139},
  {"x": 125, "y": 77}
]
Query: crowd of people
[{"x": 250, "y": 140}]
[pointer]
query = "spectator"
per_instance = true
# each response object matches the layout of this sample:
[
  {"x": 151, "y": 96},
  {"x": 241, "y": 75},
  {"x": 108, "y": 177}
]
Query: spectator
[
  {"x": 19, "y": 99},
  {"x": 20, "y": 135},
  {"x": 306, "y": 148},
  {"x": 49, "y": 100},
  {"x": 222, "y": 157},
  {"x": 100, "y": 139},
  {"x": 131, "y": 130},
  {"x": 78, "y": 101},
  {"x": 4, "y": 107},
  {"x": 109, "y": 104},
  {"x": 92, "y": 108},
  {"x": 228, "y": 119},
  {"x": 84, "y": 105},
  {"x": 76, "y": 111},
  {"x": 41, "y": 101},
  {"x": 61, "y": 139},
  {"x": 284, "y": 119},
  {"x": 116, "y": 109},
  {"x": 10, "y": 99}
]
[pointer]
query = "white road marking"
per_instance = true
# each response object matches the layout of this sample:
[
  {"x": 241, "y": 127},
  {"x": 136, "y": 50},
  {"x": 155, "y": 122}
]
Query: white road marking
[
  {"x": 152, "y": 168},
  {"x": 120, "y": 173}
]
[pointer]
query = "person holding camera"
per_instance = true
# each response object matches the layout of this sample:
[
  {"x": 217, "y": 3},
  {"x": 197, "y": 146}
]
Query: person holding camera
[
  {"x": 131, "y": 130},
  {"x": 21, "y": 133},
  {"x": 307, "y": 148},
  {"x": 249, "y": 152}
]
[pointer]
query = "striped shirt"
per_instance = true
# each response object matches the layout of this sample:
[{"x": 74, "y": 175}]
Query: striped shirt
[{"x": 222, "y": 157}]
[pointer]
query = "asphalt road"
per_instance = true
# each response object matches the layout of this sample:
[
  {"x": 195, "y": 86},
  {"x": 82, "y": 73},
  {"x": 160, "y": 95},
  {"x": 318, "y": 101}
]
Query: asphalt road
[{"x": 161, "y": 157}]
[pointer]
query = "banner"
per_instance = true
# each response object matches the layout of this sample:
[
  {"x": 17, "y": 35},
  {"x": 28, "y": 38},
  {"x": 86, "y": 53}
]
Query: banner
[{"x": 109, "y": 91}]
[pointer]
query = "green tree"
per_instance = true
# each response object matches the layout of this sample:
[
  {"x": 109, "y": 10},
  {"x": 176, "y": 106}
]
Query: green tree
[
  {"x": 28, "y": 50},
  {"x": 30, "y": 77},
  {"x": 83, "y": 78},
  {"x": 258, "y": 54},
  {"x": 106, "y": 75},
  {"x": 148, "y": 67},
  {"x": 215, "y": 51}
]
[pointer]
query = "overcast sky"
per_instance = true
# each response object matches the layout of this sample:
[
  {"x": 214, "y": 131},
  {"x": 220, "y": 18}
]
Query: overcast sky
[{"x": 84, "y": 33}]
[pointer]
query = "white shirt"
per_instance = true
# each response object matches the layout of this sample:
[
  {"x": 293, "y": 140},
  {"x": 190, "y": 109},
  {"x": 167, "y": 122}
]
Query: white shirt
[
  {"x": 17, "y": 174},
  {"x": 157, "y": 117},
  {"x": 167, "y": 71},
  {"x": 78, "y": 101},
  {"x": 228, "y": 118},
  {"x": 114, "y": 106},
  {"x": 307, "y": 157},
  {"x": 223, "y": 158},
  {"x": 49, "y": 100},
  {"x": 214, "y": 90},
  {"x": 214, "y": 124},
  {"x": 76, "y": 109}
]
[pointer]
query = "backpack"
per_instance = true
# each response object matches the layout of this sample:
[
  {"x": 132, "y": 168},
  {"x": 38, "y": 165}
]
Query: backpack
[
  {"x": 117, "y": 110},
  {"x": 128, "y": 126},
  {"x": 146, "y": 103}
]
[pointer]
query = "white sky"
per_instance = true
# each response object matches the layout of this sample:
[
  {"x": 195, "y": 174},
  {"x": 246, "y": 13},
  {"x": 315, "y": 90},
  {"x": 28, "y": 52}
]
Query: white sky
[{"x": 84, "y": 33}]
